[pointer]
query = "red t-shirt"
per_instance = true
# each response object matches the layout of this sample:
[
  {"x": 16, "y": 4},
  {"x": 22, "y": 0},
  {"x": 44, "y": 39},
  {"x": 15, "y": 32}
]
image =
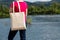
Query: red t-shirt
[{"x": 23, "y": 7}]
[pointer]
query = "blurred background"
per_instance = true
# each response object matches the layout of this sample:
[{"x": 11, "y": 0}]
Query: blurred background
[
  {"x": 35, "y": 7},
  {"x": 43, "y": 20}
]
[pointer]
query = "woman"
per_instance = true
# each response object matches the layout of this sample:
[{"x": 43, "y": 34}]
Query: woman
[{"x": 23, "y": 8}]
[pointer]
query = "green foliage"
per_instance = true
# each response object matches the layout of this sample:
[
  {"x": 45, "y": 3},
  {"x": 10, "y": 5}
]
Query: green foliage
[
  {"x": 42, "y": 9},
  {"x": 4, "y": 11},
  {"x": 54, "y": 8}
]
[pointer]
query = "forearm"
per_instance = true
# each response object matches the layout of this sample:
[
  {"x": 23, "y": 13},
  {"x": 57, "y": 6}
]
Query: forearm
[
  {"x": 26, "y": 12},
  {"x": 10, "y": 10}
]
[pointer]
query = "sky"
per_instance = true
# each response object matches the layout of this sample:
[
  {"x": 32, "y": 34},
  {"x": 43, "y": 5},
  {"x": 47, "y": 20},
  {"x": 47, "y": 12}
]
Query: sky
[{"x": 38, "y": 0}]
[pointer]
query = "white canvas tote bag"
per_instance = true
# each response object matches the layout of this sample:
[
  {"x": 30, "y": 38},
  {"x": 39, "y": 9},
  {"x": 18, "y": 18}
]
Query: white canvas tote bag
[{"x": 17, "y": 19}]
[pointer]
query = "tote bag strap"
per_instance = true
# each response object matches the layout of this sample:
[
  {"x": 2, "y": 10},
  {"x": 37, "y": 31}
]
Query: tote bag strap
[
  {"x": 13, "y": 7},
  {"x": 18, "y": 7}
]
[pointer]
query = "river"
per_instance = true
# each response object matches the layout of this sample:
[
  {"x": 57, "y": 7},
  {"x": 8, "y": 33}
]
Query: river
[{"x": 43, "y": 27}]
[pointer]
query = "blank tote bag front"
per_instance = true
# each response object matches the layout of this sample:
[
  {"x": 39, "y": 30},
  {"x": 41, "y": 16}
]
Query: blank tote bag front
[{"x": 17, "y": 19}]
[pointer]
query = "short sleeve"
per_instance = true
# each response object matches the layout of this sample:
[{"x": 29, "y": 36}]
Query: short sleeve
[
  {"x": 26, "y": 5},
  {"x": 11, "y": 5}
]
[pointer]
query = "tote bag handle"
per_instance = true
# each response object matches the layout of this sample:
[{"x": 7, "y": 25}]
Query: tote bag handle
[{"x": 18, "y": 7}]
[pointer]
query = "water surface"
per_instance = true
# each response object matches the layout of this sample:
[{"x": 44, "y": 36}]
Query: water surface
[{"x": 44, "y": 27}]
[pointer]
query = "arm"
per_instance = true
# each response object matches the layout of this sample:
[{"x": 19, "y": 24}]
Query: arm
[
  {"x": 10, "y": 10},
  {"x": 26, "y": 12}
]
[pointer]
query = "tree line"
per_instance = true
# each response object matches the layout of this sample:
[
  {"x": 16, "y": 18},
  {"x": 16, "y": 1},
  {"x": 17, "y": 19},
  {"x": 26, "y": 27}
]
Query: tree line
[{"x": 52, "y": 9}]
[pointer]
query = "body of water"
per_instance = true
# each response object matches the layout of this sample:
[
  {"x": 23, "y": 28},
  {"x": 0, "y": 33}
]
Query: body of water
[{"x": 43, "y": 27}]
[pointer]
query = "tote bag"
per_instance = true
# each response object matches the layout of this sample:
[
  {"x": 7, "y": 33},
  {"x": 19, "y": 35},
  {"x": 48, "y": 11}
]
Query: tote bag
[{"x": 17, "y": 19}]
